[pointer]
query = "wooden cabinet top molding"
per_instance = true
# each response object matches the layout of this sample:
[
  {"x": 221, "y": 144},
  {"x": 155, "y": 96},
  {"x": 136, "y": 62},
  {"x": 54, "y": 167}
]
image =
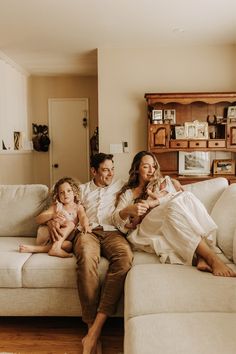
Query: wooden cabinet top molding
[{"x": 188, "y": 98}]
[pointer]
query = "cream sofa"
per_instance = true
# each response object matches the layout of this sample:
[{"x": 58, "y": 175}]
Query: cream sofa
[
  {"x": 36, "y": 284},
  {"x": 176, "y": 309},
  {"x": 168, "y": 309}
]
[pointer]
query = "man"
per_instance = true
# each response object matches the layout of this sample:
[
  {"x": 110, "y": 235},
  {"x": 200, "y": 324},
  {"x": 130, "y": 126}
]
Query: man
[{"x": 98, "y": 198}]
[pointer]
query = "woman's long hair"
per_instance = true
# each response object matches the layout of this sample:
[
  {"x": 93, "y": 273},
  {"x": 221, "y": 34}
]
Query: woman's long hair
[{"x": 133, "y": 180}]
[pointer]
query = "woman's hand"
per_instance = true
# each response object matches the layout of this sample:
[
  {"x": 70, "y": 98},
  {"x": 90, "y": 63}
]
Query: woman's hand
[
  {"x": 142, "y": 208},
  {"x": 134, "y": 210}
]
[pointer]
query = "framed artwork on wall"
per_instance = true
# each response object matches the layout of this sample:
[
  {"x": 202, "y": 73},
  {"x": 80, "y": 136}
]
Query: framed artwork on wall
[{"x": 194, "y": 163}]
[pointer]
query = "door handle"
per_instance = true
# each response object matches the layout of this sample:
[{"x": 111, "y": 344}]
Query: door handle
[{"x": 55, "y": 165}]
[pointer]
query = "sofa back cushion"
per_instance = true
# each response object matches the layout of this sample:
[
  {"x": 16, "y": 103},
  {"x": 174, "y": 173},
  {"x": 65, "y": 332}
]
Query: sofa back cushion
[
  {"x": 19, "y": 204},
  {"x": 224, "y": 214},
  {"x": 208, "y": 191}
]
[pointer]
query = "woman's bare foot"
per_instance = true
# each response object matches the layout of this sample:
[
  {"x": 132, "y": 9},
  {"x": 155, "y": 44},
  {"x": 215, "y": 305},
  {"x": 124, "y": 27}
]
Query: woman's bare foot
[
  {"x": 221, "y": 269},
  {"x": 203, "y": 266}
]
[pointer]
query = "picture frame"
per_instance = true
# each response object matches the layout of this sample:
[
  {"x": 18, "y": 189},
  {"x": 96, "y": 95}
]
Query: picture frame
[
  {"x": 231, "y": 112},
  {"x": 157, "y": 116},
  {"x": 170, "y": 116},
  {"x": 224, "y": 167},
  {"x": 195, "y": 163},
  {"x": 196, "y": 130},
  {"x": 202, "y": 130},
  {"x": 190, "y": 130},
  {"x": 180, "y": 132}
]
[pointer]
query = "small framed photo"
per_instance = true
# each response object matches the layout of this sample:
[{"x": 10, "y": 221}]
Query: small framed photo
[
  {"x": 194, "y": 163},
  {"x": 201, "y": 130},
  {"x": 190, "y": 130},
  {"x": 169, "y": 116},
  {"x": 231, "y": 112},
  {"x": 157, "y": 116},
  {"x": 180, "y": 132},
  {"x": 224, "y": 167}
]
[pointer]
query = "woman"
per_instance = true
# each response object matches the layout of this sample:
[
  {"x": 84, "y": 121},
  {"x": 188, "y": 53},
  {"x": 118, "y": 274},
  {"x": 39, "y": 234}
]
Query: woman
[{"x": 177, "y": 226}]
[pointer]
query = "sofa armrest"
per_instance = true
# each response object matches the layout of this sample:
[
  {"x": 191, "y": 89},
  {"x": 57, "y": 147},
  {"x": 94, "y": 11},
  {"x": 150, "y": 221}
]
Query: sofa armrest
[{"x": 234, "y": 247}]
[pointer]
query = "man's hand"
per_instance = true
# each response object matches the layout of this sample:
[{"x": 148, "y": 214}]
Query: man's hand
[
  {"x": 54, "y": 229},
  {"x": 59, "y": 217}
]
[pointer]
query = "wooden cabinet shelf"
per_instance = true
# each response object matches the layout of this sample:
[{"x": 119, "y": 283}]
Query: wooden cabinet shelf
[{"x": 189, "y": 107}]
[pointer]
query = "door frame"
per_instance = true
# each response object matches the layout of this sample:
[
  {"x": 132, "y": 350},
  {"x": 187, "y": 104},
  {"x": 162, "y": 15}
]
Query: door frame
[{"x": 50, "y": 100}]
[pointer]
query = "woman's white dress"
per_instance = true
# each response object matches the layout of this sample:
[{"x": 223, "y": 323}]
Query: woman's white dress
[{"x": 173, "y": 229}]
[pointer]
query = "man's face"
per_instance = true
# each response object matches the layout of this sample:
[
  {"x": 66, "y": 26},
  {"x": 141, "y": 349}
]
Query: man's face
[{"x": 104, "y": 175}]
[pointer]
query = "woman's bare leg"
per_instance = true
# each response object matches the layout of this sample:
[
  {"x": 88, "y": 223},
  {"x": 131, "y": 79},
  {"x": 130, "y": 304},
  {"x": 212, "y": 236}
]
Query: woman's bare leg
[{"x": 216, "y": 266}]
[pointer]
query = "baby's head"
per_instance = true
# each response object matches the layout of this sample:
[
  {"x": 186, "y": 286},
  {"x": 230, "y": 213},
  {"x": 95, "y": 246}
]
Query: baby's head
[{"x": 74, "y": 185}]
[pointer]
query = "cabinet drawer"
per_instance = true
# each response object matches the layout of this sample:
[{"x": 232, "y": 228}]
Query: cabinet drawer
[
  {"x": 197, "y": 143},
  {"x": 216, "y": 144},
  {"x": 178, "y": 144}
]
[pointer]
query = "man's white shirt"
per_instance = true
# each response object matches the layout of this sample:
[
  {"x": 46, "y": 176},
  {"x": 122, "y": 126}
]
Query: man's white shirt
[{"x": 99, "y": 203}]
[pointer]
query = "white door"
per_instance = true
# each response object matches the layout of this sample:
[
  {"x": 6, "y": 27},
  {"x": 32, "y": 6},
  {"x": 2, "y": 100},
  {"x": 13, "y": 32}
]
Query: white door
[{"x": 68, "y": 131}]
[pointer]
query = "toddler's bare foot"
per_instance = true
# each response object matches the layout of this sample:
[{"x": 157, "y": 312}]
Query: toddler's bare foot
[
  {"x": 28, "y": 248},
  {"x": 58, "y": 252},
  {"x": 67, "y": 246},
  {"x": 221, "y": 269},
  {"x": 203, "y": 266}
]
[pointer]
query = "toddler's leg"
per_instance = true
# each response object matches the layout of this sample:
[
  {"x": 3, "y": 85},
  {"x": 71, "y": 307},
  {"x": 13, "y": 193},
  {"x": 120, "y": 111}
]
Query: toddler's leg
[
  {"x": 43, "y": 235},
  {"x": 43, "y": 244},
  {"x": 58, "y": 247}
]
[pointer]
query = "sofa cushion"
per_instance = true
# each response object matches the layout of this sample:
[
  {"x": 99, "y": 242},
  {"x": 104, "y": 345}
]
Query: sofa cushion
[
  {"x": 208, "y": 191},
  {"x": 163, "y": 288},
  {"x": 19, "y": 204},
  {"x": 234, "y": 247},
  {"x": 11, "y": 262},
  {"x": 141, "y": 257},
  {"x": 224, "y": 214},
  {"x": 181, "y": 333},
  {"x": 44, "y": 271}
]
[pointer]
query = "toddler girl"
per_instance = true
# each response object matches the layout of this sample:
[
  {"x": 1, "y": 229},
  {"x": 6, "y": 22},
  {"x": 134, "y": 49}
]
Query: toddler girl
[{"x": 61, "y": 218}]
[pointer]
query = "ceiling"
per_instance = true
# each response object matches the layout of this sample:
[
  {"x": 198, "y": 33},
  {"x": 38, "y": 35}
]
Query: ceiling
[{"x": 54, "y": 37}]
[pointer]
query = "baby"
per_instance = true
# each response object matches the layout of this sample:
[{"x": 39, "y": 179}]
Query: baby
[{"x": 155, "y": 198}]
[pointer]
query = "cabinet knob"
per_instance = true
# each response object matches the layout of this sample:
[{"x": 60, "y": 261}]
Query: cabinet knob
[
  {"x": 216, "y": 144},
  {"x": 178, "y": 144},
  {"x": 197, "y": 144}
]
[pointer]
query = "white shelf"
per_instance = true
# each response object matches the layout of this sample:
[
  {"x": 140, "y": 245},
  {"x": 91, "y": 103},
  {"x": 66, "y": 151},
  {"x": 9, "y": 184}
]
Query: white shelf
[{"x": 15, "y": 152}]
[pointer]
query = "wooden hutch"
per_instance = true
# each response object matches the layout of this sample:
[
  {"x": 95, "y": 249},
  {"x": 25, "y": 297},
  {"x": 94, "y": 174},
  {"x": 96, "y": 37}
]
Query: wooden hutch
[{"x": 188, "y": 107}]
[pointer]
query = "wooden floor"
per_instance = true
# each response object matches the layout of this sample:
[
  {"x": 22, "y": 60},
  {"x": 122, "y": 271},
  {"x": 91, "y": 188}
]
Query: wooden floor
[{"x": 36, "y": 335}]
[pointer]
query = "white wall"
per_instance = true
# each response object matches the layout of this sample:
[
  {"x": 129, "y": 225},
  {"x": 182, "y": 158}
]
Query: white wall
[
  {"x": 125, "y": 75},
  {"x": 15, "y": 166}
]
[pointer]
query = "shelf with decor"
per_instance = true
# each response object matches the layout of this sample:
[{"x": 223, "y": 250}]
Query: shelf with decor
[{"x": 191, "y": 122}]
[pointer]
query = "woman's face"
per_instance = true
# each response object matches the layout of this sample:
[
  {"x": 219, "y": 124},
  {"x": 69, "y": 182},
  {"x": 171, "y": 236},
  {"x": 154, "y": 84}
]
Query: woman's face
[{"x": 147, "y": 168}]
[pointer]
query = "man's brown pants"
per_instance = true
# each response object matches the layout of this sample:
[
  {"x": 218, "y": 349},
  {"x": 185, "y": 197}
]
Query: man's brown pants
[{"x": 88, "y": 249}]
